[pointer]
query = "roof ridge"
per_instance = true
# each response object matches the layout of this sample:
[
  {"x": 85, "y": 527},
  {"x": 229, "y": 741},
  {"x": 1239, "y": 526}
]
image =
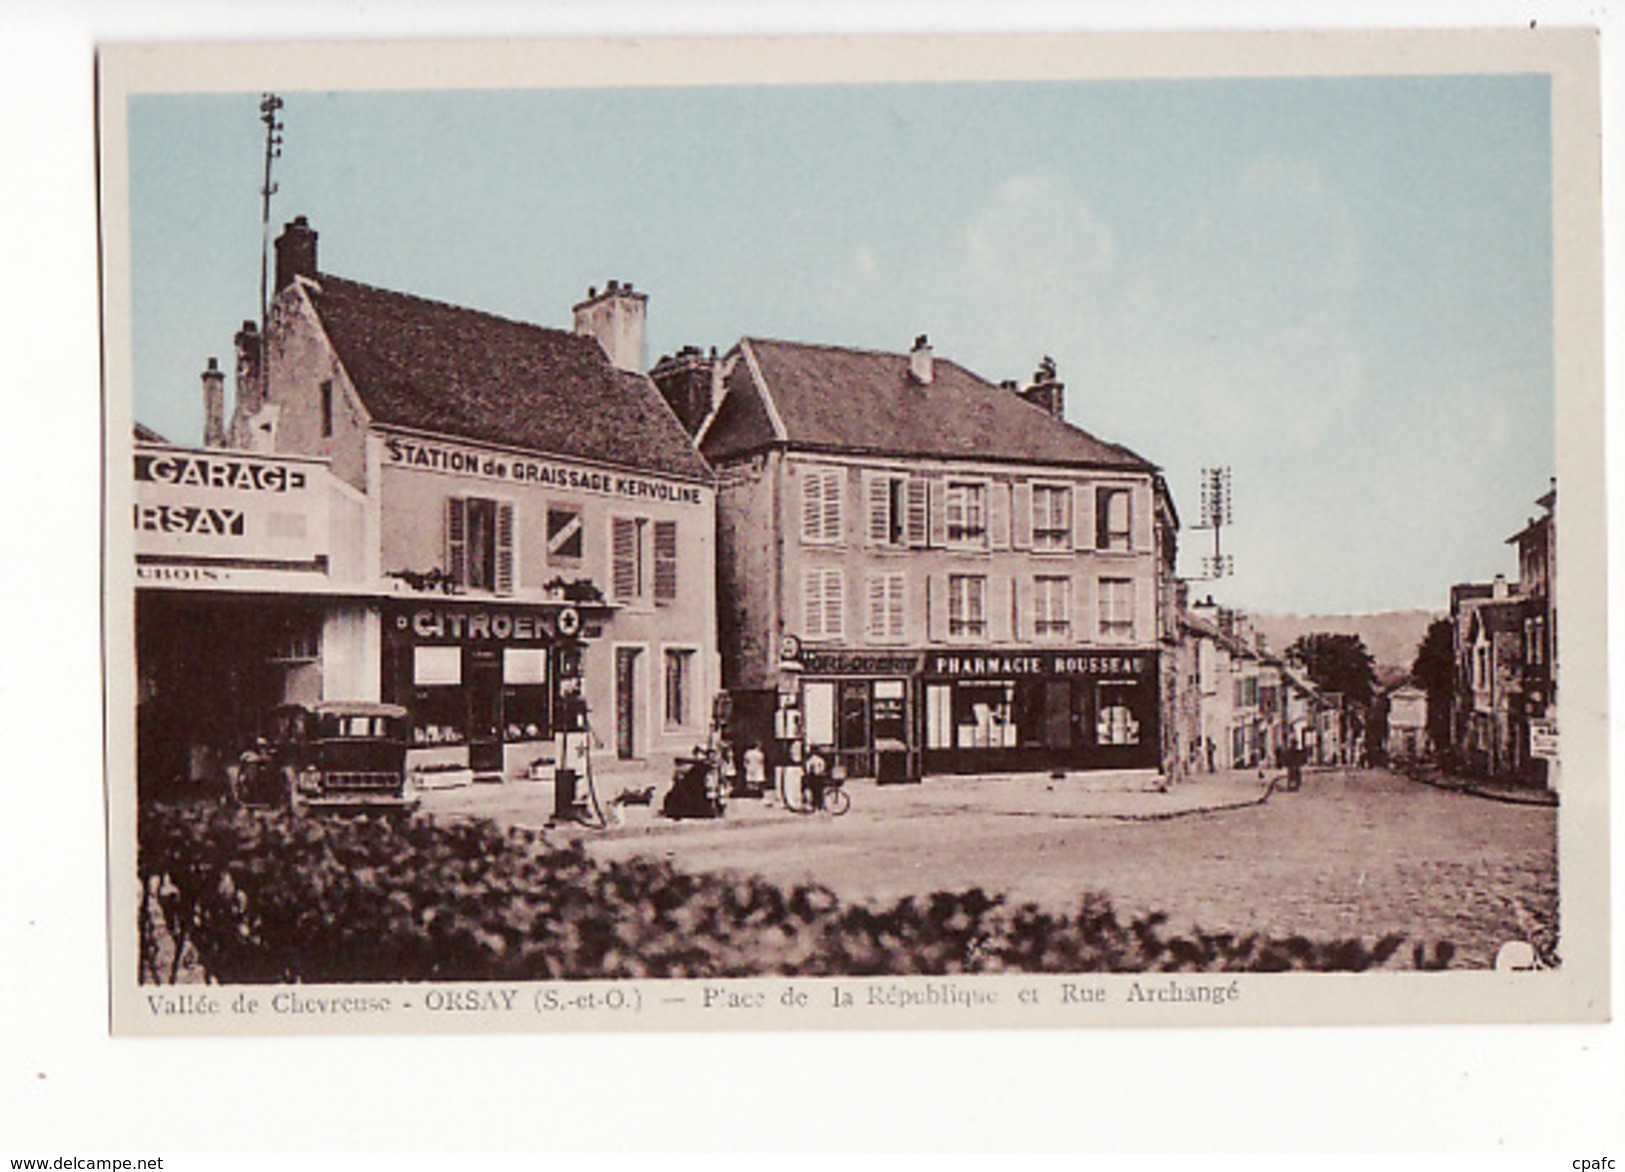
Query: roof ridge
[{"x": 446, "y": 305}]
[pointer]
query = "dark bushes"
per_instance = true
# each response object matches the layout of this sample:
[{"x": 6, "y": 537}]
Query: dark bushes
[{"x": 259, "y": 896}]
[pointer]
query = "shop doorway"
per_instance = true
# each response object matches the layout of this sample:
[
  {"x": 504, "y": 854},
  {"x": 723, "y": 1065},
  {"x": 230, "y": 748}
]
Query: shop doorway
[
  {"x": 485, "y": 710},
  {"x": 626, "y": 696},
  {"x": 855, "y": 743}
]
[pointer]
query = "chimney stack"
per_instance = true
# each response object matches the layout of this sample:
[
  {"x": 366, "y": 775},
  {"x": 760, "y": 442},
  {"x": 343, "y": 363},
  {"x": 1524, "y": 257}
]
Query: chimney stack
[
  {"x": 295, "y": 252},
  {"x": 691, "y": 381},
  {"x": 214, "y": 405},
  {"x": 616, "y": 319},
  {"x": 1047, "y": 391},
  {"x": 250, "y": 389},
  {"x": 919, "y": 361},
  {"x": 1499, "y": 589}
]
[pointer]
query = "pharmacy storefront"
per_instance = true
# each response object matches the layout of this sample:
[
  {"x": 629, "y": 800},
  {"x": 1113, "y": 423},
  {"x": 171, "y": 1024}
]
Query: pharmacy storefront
[{"x": 893, "y": 714}]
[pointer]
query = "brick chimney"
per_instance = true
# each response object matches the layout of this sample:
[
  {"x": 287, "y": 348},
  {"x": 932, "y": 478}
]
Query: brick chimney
[
  {"x": 1047, "y": 391},
  {"x": 295, "y": 252},
  {"x": 214, "y": 405},
  {"x": 1499, "y": 590},
  {"x": 615, "y": 317},
  {"x": 691, "y": 381},
  {"x": 919, "y": 361}
]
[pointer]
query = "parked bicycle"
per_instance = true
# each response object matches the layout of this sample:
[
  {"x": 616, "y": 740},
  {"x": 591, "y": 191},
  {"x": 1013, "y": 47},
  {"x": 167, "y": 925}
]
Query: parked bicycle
[{"x": 821, "y": 789}]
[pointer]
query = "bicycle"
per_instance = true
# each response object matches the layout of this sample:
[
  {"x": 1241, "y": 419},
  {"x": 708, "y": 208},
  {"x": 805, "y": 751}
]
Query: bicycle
[{"x": 820, "y": 791}]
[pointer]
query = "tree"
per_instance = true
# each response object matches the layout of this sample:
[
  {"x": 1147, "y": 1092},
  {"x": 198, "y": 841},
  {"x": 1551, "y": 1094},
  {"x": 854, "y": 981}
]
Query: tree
[
  {"x": 1336, "y": 663},
  {"x": 1434, "y": 671}
]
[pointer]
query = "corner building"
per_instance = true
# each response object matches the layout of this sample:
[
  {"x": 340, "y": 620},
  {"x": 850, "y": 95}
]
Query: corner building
[
  {"x": 533, "y": 510},
  {"x": 944, "y": 575}
]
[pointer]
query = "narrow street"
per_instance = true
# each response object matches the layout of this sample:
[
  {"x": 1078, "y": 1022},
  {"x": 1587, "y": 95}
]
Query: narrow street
[{"x": 1355, "y": 853}]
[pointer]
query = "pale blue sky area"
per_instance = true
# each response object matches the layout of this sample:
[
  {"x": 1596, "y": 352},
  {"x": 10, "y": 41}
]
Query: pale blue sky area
[{"x": 1339, "y": 287}]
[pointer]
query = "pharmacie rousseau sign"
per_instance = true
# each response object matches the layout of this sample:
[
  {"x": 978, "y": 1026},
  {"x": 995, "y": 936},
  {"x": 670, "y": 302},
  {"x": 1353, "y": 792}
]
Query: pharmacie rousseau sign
[{"x": 407, "y": 453}]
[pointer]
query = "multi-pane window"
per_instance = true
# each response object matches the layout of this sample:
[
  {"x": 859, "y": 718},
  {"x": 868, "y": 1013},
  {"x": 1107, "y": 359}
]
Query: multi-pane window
[
  {"x": 563, "y": 533},
  {"x": 525, "y": 694},
  {"x": 821, "y": 506},
  {"x": 888, "y": 503},
  {"x": 1113, "y": 519},
  {"x": 629, "y": 575},
  {"x": 886, "y": 606},
  {"x": 823, "y": 597},
  {"x": 967, "y": 606},
  {"x": 679, "y": 687},
  {"x": 1052, "y": 517},
  {"x": 1116, "y": 608},
  {"x": 967, "y": 513},
  {"x": 479, "y": 544},
  {"x": 1052, "y": 608}
]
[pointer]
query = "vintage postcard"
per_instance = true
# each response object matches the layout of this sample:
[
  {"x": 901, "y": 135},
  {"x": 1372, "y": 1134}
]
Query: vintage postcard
[{"x": 884, "y": 532}]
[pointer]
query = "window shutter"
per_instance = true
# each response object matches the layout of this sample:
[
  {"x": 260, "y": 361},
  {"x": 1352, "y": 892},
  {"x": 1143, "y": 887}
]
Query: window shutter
[
  {"x": 625, "y": 544},
  {"x": 1026, "y": 609},
  {"x": 998, "y": 515},
  {"x": 875, "y": 627},
  {"x": 1021, "y": 531},
  {"x": 1083, "y": 517},
  {"x": 665, "y": 561},
  {"x": 812, "y": 604},
  {"x": 504, "y": 583},
  {"x": 878, "y": 495},
  {"x": 1145, "y": 611},
  {"x": 896, "y": 606},
  {"x": 812, "y": 505},
  {"x": 919, "y": 511},
  {"x": 939, "y": 513},
  {"x": 834, "y": 604},
  {"x": 936, "y": 608},
  {"x": 998, "y": 609},
  {"x": 1140, "y": 519},
  {"x": 832, "y": 506},
  {"x": 457, "y": 540},
  {"x": 1085, "y": 626}
]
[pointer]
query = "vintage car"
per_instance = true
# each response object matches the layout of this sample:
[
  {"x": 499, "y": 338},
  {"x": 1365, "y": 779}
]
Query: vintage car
[{"x": 347, "y": 756}]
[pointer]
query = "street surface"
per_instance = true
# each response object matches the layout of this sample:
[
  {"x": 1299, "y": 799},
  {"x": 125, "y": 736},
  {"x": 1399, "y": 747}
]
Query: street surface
[{"x": 1355, "y": 853}]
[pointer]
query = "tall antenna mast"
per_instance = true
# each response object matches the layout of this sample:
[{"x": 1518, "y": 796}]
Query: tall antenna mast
[
  {"x": 1216, "y": 514},
  {"x": 270, "y": 105}
]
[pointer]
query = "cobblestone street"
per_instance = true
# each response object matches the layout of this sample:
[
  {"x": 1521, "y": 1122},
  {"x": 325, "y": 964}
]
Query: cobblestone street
[{"x": 1355, "y": 853}]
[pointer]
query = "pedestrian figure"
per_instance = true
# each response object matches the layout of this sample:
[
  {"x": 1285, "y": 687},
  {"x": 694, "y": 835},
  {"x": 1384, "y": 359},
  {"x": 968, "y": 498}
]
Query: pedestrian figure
[{"x": 1294, "y": 766}]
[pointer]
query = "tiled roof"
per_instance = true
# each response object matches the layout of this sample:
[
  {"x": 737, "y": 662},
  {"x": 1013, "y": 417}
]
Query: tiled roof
[
  {"x": 1501, "y": 616},
  {"x": 833, "y": 398},
  {"x": 459, "y": 372}
]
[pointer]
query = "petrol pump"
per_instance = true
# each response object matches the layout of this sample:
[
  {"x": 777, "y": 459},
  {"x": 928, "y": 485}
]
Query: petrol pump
[
  {"x": 572, "y": 735},
  {"x": 789, "y": 725}
]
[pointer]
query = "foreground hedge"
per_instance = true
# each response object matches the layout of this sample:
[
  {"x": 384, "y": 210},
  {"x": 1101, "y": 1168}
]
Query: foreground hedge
[{"x": 258, "y": 896}]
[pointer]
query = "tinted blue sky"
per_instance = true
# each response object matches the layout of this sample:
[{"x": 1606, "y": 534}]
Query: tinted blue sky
[{"x": 1339, "y": 287}]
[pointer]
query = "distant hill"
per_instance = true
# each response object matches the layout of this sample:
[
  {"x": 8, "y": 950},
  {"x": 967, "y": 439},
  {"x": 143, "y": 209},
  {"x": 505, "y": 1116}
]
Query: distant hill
[{"x": 1390, "y": 635}]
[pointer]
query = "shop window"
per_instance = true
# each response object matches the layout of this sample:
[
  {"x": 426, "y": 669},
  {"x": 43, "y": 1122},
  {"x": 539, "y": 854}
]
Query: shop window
[
  {"x": 1052, "y": 517},
  {"x": 525, "y": 694},
  {"x": 1116, "y": 609},
  {"x": 564, "y": 533},
  {"x": 479, "y": 544},
  {"x": 821, "y": 506},
  {"x": 439, "y": 702},
  {"x": 819, "y": 699},
  {"x": 887, "y": 606},
  {"x": 1052, "y": 608},
  {"x": 665, "y": 561},
  {"x": 967, "y": 514},
  {"x": 629, "y": 574},
  {"x": 679, "y": 688},
  {"x": 823, "y": 593},
  {"x": 891, "y": 714},
  {"x": 983, "y": 716},
  {"x": 1113, "y": 519},
  {"x": 298, "y": 639},
  {"x": 967, "y": 606},
  {"x": 939, "y": 717},
  {"x": 1115, "y": 722}
]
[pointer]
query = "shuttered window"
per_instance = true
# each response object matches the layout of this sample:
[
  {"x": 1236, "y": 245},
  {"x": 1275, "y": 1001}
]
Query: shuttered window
[
  {"x": 967, "y": 514},
  {"x": 480, "y": 544},
  {"x": 1115, "y": 600},
  {"x": 821, "y": 506},
  {"x": 887, "y": 500},
  {"x": 627, "y": 550},
  {"x": 1052, "y": 517},
  {"x": 1113, "y": 524},
  {"x": 665, "y": 561},
  {"x": 823, "y": 594},
  {"x": 1052, "y": 608},
  {"x": 886, "y": 606},
  {"x": 967, "y": 606}
]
